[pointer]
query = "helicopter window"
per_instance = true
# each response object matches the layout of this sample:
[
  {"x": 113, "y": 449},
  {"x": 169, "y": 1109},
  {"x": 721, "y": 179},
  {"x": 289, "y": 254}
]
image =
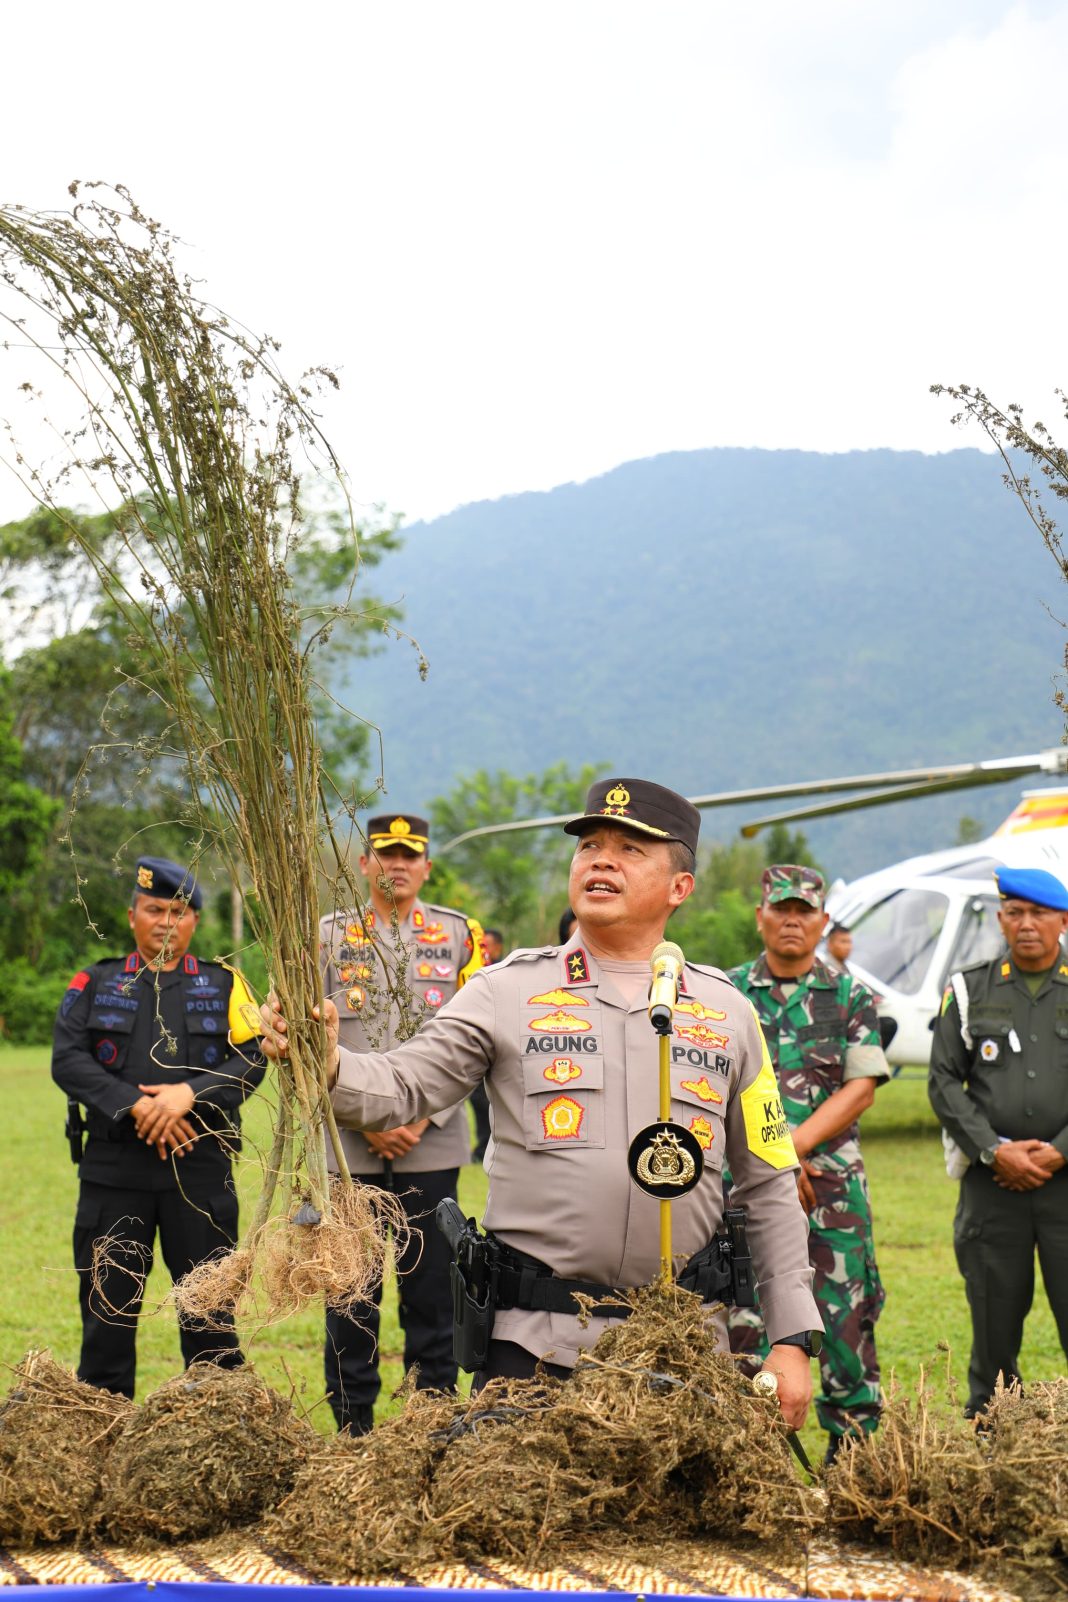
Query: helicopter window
[
  {"x": 979, "y": 937},
  {"x": 894, "y": 939}
]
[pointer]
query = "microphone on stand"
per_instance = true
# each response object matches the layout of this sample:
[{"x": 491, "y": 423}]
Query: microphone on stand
[{"x": 667, "y": 963}]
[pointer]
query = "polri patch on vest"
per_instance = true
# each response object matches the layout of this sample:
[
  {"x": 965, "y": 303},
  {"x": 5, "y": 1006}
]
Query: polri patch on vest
[{"x": 989, "y": 1051}]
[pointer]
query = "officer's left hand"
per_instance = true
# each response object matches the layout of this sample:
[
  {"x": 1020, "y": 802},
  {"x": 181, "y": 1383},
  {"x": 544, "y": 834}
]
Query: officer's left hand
[
  {"x": 166, "y": 1106},
  {"x": 793, "y": 1370}
]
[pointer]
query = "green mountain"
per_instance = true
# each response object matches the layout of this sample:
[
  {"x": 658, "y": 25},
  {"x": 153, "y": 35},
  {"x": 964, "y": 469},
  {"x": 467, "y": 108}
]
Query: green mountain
[{"x": 722, "y": 618}]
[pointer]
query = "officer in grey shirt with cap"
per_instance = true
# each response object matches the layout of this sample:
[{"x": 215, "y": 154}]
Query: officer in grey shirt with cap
[{"x": 570, "y": 1062}]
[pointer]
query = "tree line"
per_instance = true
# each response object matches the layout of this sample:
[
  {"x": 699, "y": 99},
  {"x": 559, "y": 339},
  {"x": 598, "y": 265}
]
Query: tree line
[{"x": 90, "y": 779}]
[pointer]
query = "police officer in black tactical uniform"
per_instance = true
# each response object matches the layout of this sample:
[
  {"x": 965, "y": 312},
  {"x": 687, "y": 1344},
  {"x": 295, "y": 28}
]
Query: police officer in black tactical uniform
[{"x": 161, "y": 1049}]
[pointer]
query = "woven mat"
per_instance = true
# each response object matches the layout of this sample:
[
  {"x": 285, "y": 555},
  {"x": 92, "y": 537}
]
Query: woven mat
[{"x": 707, "y": 1568}]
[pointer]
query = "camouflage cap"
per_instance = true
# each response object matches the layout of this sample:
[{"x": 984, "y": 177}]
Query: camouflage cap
[{"x": 787, "y": 881}]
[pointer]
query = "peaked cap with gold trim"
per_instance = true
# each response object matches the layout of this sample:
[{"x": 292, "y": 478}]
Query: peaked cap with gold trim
[
  {"x": 640, "y": 805},
  {"x": 399, "y": 828}
]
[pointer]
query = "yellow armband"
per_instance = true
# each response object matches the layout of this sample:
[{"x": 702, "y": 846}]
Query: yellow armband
[{"x": 767, "y": 1134}]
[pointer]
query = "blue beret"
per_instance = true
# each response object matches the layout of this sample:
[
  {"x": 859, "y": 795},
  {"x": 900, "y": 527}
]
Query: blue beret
[
  {"x": 1032, "y": 884},
  {"x": 157, "y": 876}
]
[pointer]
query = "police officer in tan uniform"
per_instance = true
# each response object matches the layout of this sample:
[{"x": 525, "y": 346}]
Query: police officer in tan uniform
[
  {"x": 562, "y": 1038},
  {"x": 402, "y": 948}
]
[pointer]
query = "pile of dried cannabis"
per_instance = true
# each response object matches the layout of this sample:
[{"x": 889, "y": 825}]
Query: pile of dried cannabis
[{"x": 55, "y": 1438}]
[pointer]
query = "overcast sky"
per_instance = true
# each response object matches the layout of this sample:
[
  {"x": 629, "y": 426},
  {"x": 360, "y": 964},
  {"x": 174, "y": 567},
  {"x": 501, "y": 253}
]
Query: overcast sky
[{"x": 538, "y": 238}]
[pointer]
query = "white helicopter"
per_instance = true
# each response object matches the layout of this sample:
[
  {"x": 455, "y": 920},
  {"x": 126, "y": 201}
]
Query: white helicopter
[{"x": 915, "y": 923}]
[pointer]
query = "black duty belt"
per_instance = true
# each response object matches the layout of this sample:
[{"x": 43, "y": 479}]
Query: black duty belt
[{"x": 528, "y": 1283}]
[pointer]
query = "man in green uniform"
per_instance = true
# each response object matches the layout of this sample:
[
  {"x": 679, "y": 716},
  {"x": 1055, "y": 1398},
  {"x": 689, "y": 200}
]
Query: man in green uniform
[
  {"x": 823, "y": 1036},
  {"x": 999, "y": 1084}
]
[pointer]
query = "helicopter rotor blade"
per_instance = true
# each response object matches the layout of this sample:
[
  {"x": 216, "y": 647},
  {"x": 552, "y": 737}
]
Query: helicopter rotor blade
[{"x": 901, "y": 785}]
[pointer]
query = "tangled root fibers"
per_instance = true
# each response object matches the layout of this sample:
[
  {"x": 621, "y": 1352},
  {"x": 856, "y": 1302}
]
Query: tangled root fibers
[
  {"x": 210, "y": 1449},
  {"x": 654, "y": 1435},
  {"x": 55, "y": 1437},
  {"x": 285, "y": 1265},
  {"x": 358, "y": 1508}
]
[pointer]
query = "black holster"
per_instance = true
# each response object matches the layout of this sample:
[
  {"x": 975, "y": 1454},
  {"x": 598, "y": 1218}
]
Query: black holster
[
  {"x": 74, "y": 1129},
  {"x": 473, "y": 1275},
  {"x": 722, "y": 1271}
]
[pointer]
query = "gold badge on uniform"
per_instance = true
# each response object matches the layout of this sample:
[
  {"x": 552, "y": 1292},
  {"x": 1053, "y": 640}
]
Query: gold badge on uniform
[
  {"x": 665, "y": 1160},
  {"x": 700, "y": 1088},
  {"x": 702, "y": 1132},
  {"x": 557, "y": 998},
  {"x": 698, "y": 1010},
  {"x": 561, "y": 1118},
  {"x": 562, "y": 1070},
  {"x": 701, "y": 1035},
  {"x": 355, "y": 998},
  {"x": 144, "y": 878},
  {"x": 559, "y": 1021}
]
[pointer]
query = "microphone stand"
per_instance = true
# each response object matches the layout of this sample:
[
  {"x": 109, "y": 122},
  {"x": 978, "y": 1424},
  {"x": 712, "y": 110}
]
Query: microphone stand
[{"x": 663, "y": 1029}]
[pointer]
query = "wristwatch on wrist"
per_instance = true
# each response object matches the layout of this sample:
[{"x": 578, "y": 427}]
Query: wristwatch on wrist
[
  {"x": 986, "y": 1157},
  {"x": 809, "y": 1340}
]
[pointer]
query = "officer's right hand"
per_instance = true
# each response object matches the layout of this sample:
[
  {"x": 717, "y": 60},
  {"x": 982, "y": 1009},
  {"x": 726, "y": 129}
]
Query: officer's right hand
[
  {"x": 1015, "y": 1167},
  {"x": 275, "y": 1044}
]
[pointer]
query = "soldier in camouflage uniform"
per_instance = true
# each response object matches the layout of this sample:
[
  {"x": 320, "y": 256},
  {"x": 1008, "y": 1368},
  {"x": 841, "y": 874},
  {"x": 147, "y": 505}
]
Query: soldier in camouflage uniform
[{"x": 823, "y": 1036}]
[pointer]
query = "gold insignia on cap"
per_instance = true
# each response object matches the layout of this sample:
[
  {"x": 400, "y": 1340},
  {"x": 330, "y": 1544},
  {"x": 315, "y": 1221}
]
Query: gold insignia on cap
[
  {"x": 400, "y": 827},
  {"x": 144, "y": 878},
  {"x": 618, "y": 796}
]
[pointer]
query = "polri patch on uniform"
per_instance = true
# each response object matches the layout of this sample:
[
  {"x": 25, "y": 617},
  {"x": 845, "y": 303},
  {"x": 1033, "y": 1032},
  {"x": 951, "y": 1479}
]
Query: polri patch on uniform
[
  {"x": 989, "y": 1051},
  {"x": 562, "y": 1070},
  {"x": 74, "y": 990},
  {"x": 433, "y": 997},
  {"x": 665, "y": 1160}
]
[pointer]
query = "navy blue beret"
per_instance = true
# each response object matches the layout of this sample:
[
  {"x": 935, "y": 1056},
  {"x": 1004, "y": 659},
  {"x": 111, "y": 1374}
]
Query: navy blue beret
[
  {"x": 1032, "y": 884},
  {"x": 157, "y": 876}
]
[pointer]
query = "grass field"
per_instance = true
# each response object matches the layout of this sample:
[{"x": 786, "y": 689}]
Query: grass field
[{"x": 912, "y": 1199}]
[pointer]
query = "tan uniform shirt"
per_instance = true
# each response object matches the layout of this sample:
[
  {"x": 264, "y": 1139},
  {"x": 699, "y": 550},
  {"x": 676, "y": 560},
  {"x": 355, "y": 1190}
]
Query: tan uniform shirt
[
  {"x": 572, "y": 1074},
  {"x": 438, "y": 950}
]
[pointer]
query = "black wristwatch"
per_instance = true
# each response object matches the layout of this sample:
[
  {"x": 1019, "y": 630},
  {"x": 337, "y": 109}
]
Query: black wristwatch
[{"x": 809, "y": 1340}]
